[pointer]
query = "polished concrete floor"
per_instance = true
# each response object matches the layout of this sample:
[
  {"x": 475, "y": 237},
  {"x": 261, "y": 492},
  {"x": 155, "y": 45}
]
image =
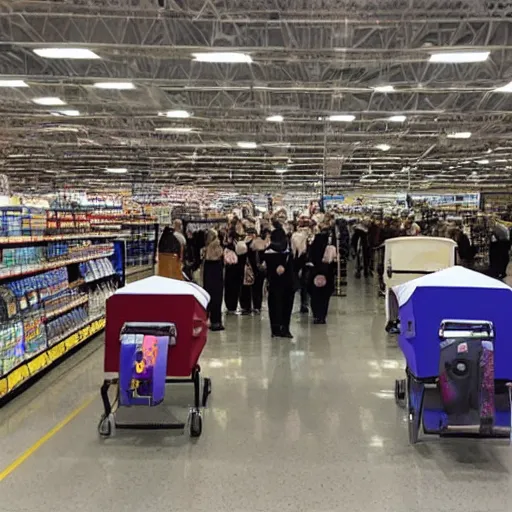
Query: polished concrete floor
[{"x": 302, "y": 425}]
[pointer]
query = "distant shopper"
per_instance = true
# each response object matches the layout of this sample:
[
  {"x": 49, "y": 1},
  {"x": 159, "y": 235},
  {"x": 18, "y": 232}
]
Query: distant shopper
[
  {"x": 178, "y": 232},
  {"x": 281, "y": 290},
  {"x": 170, "y": 255},
  {"x": 410, "y": 227},
  {"x": 235, "y": 255},
  {"x": 251, "y": 296},
  {"x": 499, "y": 249},
  {"x": 299, "y": 246},
  {"x": 322, "y": 259},
  {"x": 213, "y": 278}
]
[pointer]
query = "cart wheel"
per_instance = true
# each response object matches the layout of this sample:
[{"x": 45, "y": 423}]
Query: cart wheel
[
  {"x": 107, "y": 426},
  {"x": 207, "y": 390},
  {"x": 196, "y": 424},
  {"x": 400, "y": 392}
]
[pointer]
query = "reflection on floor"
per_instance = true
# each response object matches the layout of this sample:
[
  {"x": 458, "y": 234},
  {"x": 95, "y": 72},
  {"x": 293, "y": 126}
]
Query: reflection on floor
[{"x": 304, "y": 425}]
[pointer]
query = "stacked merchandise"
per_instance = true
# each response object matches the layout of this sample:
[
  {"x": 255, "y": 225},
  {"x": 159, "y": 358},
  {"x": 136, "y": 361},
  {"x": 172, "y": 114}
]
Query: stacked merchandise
[
  {"x": 94, "y": 270},
  {"x": 141, "y": 246},
  {"x": 98, "y": 297},
  {"x": 65, "y": 324}
]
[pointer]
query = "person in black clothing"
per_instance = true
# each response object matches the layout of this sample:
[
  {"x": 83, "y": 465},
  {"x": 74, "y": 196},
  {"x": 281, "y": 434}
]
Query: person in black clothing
[
  {"x": 213, "y": 279},
  {"x": 280, "y": 278},
  {"x": 322, "y": 276},
  {"x": 234, "y": 274},
  {"x": 251, "y": 296}
]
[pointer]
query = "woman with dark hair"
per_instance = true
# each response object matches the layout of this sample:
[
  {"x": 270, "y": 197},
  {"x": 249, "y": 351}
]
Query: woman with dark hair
[
  {"x": 281, "y": 292},
  {"x": 213, "y": 278},
  {"x": 170, "y": 255},
  {"x": 322, "y": 255}
]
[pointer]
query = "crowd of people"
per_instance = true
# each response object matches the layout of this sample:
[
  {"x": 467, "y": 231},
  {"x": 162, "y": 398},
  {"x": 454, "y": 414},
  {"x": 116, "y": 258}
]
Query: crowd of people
[{"x": 246, "y": 259}]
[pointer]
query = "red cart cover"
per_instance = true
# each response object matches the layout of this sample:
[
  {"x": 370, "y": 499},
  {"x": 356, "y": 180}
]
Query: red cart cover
[{"x": 160, "y": 299}]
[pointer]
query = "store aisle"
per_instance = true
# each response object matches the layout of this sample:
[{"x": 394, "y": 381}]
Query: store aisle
[{"x": 309, "y": 425}]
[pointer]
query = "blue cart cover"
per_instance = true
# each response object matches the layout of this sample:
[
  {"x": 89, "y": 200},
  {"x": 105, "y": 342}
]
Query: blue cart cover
[{"x": 453, "y": 293}]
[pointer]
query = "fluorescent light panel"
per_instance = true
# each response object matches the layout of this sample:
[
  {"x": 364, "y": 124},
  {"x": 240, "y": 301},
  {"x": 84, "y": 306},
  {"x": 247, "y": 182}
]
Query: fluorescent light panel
[
  {"x": 459, "y": 135},
  {"x": 460, "y": 57},
  {"x": 175, "y": 114},
  {"x": 247, "y": 145},
  {"x": 65, "y": 53},
  {"x": 397, "y": 119},
  {"x": 383, "y": 147},
  {"x": 281, "y": 171},
  {"x": 70, "y": 113},
  {"x": 504, "y": 88},
  {"x": 223, "y": 57},
  {"x": 275, "y": 119},
  {"x": 49, "y": 101},
  {"x": 174, "y": 129},
  {"x": 13, "y": 83},
  {"x": 121, "y": 86},
  {"x": 384, "y": 88},
  {"x": 345, "y": 118},
  {"x": 116, "y": 170}
]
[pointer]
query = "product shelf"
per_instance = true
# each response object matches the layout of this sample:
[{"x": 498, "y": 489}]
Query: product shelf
[
  {"x": 64, "y": 309},
  {"x": 29, "y": 368},
  {"x": 28, "y": 240},
  {"x": 26, "y": 270}
]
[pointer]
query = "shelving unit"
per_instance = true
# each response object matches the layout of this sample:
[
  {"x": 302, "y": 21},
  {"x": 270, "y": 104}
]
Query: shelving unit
[{"x": 49, "y": 308}]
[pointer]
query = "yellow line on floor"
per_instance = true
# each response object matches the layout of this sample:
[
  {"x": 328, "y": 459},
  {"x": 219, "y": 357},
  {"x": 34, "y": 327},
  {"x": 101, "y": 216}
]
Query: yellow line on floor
[{"x": 30, "y": 451}]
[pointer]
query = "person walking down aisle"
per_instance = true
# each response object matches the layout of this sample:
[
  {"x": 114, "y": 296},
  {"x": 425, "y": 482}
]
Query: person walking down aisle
[
  {"x": 281, "y": 290},
  {"x": 251, "y": 296},
  {"x": 299, "y": 244},
  {"x": 213, "y": 278},
  {"x": 170, "y": 255},
  {"x": 235, "y": 257},
  {"x": 322, "y": 258}
]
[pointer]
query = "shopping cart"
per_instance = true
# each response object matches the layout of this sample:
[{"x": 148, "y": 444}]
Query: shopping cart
[
  {"x": 156, "y": 329},
  {"x": 458, "y": 366}
]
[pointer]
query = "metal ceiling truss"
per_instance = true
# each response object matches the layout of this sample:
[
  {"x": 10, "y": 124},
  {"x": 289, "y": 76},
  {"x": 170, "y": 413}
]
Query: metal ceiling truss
[{"x": 311, "y": 59}]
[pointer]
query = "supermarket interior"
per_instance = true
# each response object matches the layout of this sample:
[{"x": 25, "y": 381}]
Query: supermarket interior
[{"x": 255, "y": 256}]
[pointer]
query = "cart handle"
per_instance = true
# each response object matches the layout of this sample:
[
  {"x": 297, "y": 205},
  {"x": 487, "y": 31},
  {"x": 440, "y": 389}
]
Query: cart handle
[{"x": 466, "y": 329}]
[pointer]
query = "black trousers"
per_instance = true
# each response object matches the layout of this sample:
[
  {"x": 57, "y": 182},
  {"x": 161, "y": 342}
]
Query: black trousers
[
  {"x": 233, "y": 286},
  {"x": 320, "y": 298},
  {"x": 251, "y": 297},
  {"x": 213, "y": 282},
  {"x": 303, "y": 281},
  {"x": 280, "y": 307}
]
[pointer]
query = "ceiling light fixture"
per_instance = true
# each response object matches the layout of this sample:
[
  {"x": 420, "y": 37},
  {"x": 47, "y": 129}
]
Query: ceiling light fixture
[
  {"x": 460, "y": 57},
  {"x": 275, "y": 119},
  {"x": 13, "y": 83},
  {"x": 247, "y": 145},
  {"x": 482, "y": 162},
  {"x": 49, "y": 101},
  {"x": 116, "y": 170},
  {"x": 384, "y": 88},
  {"x": 65, "y": 53},
  {"x": 223, "y": 57},
  {"x": 345, "y": 118},
  {"x": 120, "y": 86},
  {"x": 383, "y": 147},
  {"x": 504, "y": 88},
  {"x": 175, "y": 114},
  {"x": 174, "y": 129},
  {"x": 397, "y": 119},
  {"x": 70, "y": 113},
  {"x": 459, "y": 135},
  {"x": 281, "y": 171}
]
